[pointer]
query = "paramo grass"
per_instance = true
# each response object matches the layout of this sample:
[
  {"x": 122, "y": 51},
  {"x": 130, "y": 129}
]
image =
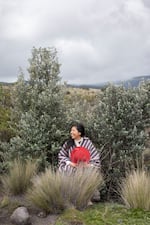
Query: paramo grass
[
  {"x": 19, "y": 176},
  {"x": 53, "y": 191},
  {"x": 46, "y": 192},
  {"x": 80, "y": 186},
  {"x": 135, "y": 190}
]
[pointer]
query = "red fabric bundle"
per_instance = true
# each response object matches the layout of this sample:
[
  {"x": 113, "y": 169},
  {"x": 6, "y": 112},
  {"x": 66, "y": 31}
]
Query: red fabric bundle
[{"x": 80, "y": 154}]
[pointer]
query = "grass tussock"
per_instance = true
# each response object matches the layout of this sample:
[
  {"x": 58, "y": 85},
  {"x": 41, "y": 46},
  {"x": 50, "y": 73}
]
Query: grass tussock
[
  {"x": 78, "y": 188},
  {"x": 46, "y": 192},
  {"x": 53, "y": 191},
  {"x": 135, "y": 190},
  {"x": 19, "y": 176}
]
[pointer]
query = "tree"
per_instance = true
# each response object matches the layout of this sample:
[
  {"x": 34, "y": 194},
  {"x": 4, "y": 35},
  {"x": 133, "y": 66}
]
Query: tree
[
  {"x": 6, "y": 132},
  {"x": 5, "y": 104},
  {"x": 79, "y": 104},
  {"x": 38, "y": 106},
  {"x": 118, "y": 130},
  {"x": 144, "y": 90}
]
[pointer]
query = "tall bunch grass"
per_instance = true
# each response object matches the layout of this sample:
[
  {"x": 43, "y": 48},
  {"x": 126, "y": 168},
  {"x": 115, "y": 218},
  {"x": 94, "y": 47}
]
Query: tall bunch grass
[
  {"x": 46, "y": 192},
  {"x": 135, "y": 190},
  {"x": 80, "y": 186},
  {"x": 19, "y": 176},
  {"x": 53, "y": 191}
]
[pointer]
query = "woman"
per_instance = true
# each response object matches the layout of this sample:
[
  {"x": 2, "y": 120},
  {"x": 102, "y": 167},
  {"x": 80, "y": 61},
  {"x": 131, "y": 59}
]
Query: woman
[{"x": 70, "y": 156}]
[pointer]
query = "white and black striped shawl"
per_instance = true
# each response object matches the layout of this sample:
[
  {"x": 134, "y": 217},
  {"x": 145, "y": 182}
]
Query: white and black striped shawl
[{"x": 64, "y": 155}]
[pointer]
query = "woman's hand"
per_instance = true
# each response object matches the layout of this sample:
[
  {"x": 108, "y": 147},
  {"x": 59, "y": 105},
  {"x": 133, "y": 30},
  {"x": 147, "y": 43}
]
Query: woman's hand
[
  {"x": 83, "y": 164},
  {"x": 73, "y": 164}
]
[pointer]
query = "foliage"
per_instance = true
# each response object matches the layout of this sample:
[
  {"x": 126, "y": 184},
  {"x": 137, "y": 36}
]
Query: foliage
[
  {"x": 79, "y": 104},
  {"x": 19, "y": 176},
  {"x": 146, "y": 159},
  {"x": 118, "y": 130},
  {"x": 42, "y": 109},
  {"x": 38, "y": 108},
  {"x": 98, "y": 214},
  {"x": 144, "y": 92},
  {"x": 102, "y": 214},
  {"x": 5, "y": 130},
  {"x": 53, "y": 191},
  {"x": 135, "y": 190},
  {"x": 4, "y": 157},
  {"x": 5, "y": 104}
]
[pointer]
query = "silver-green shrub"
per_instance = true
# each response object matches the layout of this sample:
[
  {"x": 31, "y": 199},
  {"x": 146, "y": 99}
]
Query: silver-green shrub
[
  {"x": 38, "y": 109},
  {"x": 118, "y": 129}
]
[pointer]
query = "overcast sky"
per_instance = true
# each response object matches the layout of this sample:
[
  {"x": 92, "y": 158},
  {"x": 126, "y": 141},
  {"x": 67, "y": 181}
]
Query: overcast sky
[{"x": 97, "y": 40}]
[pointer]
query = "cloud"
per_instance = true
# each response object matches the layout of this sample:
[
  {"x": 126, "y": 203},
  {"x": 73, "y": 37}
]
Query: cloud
[{"x": 96, "y": 40}]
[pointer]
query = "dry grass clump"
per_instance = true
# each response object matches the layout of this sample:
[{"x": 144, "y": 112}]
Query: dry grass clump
[
  {"x": 79, "y": 187},
  {"x": 46, "y": 192},
  {"x": 135, "y": 190},
  {"x": 53, "y": 191},
  {"x": 19, "y": 176}
]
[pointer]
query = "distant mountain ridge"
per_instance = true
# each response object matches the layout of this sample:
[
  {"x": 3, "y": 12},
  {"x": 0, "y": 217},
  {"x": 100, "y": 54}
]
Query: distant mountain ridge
[
  {"x": 7, "y": 83},
  {"x": 133, "y": 82}
]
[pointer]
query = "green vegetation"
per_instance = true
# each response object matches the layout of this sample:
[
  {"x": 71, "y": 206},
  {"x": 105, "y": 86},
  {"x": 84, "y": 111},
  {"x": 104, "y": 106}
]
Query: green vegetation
[
  {"x": 146, "y": 159},
  {"x": 79, "y": 104},
  {"x": 104, "y": 214},
  {"x": 5, "y": 114},
  {"x": 98, "y": 214},
  {"x": 38, "y": 112},
  {"x": 117, "y": 128}
]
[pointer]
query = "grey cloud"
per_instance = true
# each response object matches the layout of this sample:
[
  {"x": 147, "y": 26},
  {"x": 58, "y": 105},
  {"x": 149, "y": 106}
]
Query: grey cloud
[
  {"x": 146, "y": 3},
  {"x": 96, "y": 40}
]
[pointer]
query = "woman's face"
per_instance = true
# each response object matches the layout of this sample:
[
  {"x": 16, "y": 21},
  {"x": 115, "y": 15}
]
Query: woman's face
[{"x": 75, "y": 134}]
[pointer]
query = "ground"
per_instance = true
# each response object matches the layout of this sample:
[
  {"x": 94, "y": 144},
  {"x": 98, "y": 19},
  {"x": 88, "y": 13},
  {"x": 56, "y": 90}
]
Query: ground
[
  {"x": 98, "y": 214},
  {"x": 8, "y": 204},
  {"x": 35, "y": 220}
]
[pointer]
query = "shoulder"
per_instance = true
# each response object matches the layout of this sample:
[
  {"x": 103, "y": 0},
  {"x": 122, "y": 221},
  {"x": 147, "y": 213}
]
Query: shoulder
[
  {"x": 68, "y": 143},
  {"x": 65, "y": 143},
  {"x": 86, "y": 138}
]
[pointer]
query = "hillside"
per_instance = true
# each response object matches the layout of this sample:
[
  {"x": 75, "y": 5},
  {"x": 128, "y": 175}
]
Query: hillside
[{"x": 133, "y": 82}]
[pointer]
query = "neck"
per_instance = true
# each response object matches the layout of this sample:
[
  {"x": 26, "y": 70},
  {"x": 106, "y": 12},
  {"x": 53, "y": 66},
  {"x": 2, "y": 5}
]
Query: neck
[{"x": 78, "y": 139}]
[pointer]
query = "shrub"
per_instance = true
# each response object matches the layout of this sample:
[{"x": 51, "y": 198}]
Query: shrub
[
  {"x": 146, "y": 159},
  {"x": 117, "y": 128},
  {"x": 135, "y": 190},
  {"x": 53, "y": 191},
  {"x": 81, "y": 108},
  {"x": 4, "y": 157},
  {"x": 5, "y": 103},
  {"x": 38, "y": 109},
  {"x": 19, "y": 176}
]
